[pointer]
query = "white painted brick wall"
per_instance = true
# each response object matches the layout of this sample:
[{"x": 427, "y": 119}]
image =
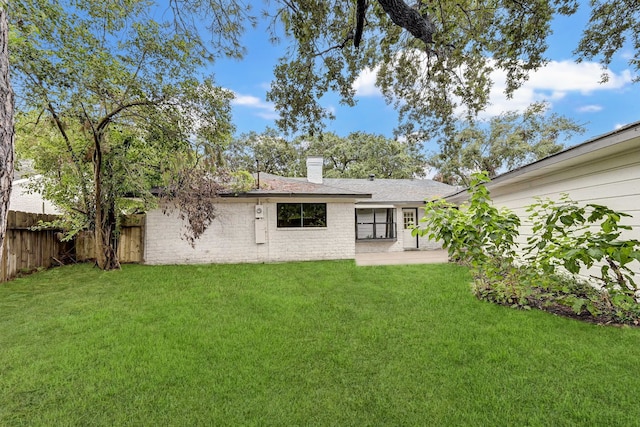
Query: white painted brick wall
[
  {"x": 423, "y": 241},
  {"x": 231, "y": 237}
]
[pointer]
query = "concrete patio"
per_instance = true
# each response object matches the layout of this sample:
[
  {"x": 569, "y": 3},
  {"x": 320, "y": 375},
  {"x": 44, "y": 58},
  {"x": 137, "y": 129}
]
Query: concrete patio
[{"x": 406, "y": 257}]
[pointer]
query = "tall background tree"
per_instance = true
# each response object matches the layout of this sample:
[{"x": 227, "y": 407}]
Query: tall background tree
[
  {"x": 502, "y": 143},
  {"x": 357, "y": 155},
  {"x": 6, "y": 125},
  {"x": 265, "y": 152},
  {"x": 361, "y": 154},
  {"x": 431, "y": 59}
]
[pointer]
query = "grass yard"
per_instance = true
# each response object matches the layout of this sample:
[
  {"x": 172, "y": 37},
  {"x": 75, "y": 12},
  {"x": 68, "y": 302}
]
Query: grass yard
[{"x": 317, "y": 343}]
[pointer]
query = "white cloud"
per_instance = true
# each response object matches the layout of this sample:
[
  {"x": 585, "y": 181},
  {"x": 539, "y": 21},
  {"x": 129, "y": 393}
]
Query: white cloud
[
  {"x": 551, "y": 83},
  {"x": 619, "y": 125},
  {"x": 590, "y": 109},
  {"x": 265, "y": 110},
  {"x": 365, "y": 83}
]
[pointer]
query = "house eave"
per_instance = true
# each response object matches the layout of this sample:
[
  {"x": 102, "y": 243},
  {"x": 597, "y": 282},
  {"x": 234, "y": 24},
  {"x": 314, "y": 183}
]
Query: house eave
[{"x": 253, "y": 195}]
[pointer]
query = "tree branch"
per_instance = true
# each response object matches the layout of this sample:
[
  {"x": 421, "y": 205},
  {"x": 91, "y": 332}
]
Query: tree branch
[
  {"x": 361, "y": 9},
  {"x": 403, "y": 15}
]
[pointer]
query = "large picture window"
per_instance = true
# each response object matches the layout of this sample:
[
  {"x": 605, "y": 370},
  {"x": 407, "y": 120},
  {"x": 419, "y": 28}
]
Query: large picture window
[
  {"x": 302, "y": 215},
  {"x": 375, "y": 224}
]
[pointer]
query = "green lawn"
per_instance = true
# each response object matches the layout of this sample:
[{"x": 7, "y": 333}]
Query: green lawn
[{"x": 321, "y": 343}]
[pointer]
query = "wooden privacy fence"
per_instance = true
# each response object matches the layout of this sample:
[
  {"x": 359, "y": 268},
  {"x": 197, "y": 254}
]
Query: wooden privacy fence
[
  {"x": 26, "y": 249},
  {"x": 130, "y": 243}
]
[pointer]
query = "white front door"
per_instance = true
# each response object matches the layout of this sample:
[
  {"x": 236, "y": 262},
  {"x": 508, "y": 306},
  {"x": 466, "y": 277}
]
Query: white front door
[{"x": 409, "y": 220}]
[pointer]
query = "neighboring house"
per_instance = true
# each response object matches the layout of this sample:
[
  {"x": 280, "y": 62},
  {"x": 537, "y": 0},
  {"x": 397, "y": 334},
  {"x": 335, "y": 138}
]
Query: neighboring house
[
  {"x": 291, "y": 219},
  {"x": 604, "y": 170},
  {"x": 24, "y": 200}
]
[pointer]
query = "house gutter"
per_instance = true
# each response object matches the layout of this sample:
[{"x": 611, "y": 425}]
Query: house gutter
[{"x": 297, "y": 195}]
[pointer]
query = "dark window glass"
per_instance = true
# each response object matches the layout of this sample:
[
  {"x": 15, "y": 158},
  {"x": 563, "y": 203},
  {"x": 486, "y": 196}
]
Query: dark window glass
[
  {"x": 375, "y": 224},
  {"x": 297, "y": 215}
]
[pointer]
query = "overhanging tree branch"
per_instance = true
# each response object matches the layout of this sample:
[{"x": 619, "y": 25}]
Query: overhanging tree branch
[{"x": 419, "y": 25}]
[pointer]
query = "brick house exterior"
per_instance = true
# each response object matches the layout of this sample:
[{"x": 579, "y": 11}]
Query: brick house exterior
[{"x": 251, "y": 227}]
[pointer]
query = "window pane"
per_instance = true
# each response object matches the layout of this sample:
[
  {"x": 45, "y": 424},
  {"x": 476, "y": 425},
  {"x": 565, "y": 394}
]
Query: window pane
[
  {"x": 314, "y": 214},
  {"x": 289, "y": 215},
  {"x": 375, "y": 223},
  {"x": 302, "y": 215}
]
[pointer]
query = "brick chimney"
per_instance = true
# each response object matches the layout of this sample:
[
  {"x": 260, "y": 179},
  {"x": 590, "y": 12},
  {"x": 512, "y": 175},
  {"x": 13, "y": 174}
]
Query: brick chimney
[{"x": 314, "y": 169}]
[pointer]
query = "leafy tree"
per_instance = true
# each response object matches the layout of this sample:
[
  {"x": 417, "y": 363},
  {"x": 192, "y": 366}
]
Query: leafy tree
[
  {"x": 108, "y": 79},
  {"x": 505, "y": 142},
  {"x": 441, "y": 62},
  {"x": 430, "y": 57},
  {"x": 6, "y": 126},
  {"x": 267, "y": 152},
  {"x": 361, "y": 154},
  {"x": 356, "y": 156},
  {"x": 611, "y": 25}
]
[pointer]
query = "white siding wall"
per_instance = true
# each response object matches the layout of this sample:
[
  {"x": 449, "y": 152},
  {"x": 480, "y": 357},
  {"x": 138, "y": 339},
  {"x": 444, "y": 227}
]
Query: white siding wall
[
  {"x": 231, "y": 237},
  {"x": 612, "y": 181}
]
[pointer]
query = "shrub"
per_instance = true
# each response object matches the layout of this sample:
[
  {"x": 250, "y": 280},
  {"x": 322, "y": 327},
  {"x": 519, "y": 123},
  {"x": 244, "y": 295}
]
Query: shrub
[
  {"x": 575, "y": 237},
  {"x": 476, "y": 233},
  {"x": 566, "y": 238}
]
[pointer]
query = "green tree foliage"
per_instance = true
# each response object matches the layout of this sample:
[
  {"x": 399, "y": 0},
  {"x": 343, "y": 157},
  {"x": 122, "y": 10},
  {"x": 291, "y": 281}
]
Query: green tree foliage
[
  {"x": 503, "y": 143},
  {"x": 355, "y": 156},
  {"x": 114, "y": 87},
  {"x": 612, "y": 25},
  {"x": 431, "y": 57},
  {"x": 441, "y": 62},
  {"x": 267, "y": 152},
  {"x": 361, "y": 154}
]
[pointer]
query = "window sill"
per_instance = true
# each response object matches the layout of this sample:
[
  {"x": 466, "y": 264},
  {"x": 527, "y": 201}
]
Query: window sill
[{"x": 390, "y": 239}]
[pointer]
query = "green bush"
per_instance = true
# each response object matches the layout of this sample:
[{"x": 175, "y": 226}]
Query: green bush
[{"x": 566, "y": 239}]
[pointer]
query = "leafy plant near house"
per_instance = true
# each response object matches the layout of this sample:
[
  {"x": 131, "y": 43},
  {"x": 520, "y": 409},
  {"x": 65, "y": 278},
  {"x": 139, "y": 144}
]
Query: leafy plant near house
[
  {"x": 478, "y": 234},
  {"x": 567, "y": 238}
]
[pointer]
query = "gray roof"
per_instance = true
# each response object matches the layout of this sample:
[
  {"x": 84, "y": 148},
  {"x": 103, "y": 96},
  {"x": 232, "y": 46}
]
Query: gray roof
[
  {"x": 394, "y": 190},
  {"x": 280, "y": 186},
  {"x": 390, "y": 191}
]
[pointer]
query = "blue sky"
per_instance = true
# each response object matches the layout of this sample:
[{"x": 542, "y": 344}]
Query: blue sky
[{"x": 571, "y": 89}]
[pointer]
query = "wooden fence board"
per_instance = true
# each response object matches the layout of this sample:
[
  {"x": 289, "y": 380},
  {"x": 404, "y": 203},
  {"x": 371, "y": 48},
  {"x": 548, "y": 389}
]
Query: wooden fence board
[
  {"x": 26, "y": 249},
  {"x": 130, "y": 244}
]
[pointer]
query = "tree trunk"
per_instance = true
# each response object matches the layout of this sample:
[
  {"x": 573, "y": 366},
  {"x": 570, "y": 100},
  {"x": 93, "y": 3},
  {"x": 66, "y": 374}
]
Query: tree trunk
[
  {"x": 6, "y": 125},
  {"x": 106, "y": 249}
]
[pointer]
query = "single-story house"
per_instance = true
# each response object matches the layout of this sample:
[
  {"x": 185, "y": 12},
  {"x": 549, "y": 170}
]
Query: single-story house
[
  {"x": 604, "y": 170},
  {"x": 292, "y": 219}
]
